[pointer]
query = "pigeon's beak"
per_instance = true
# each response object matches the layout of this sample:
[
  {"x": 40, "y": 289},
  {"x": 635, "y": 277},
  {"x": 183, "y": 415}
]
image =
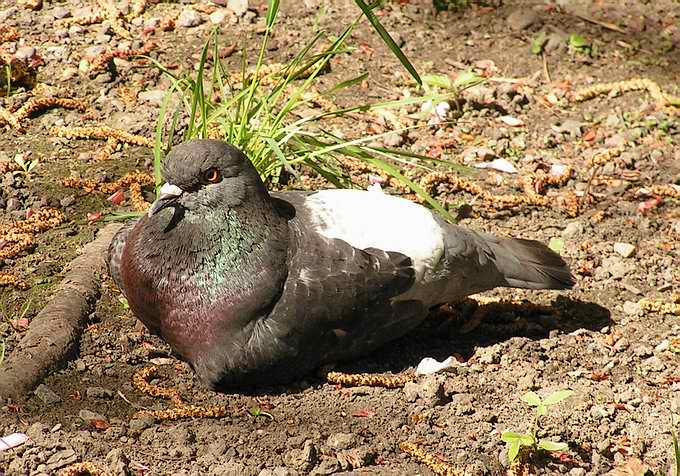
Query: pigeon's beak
[{"x": 167, "y": 196}]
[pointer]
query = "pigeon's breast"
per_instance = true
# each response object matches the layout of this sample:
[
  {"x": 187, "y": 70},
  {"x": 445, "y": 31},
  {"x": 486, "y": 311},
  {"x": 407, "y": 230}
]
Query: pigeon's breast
[{"x": 376, "y": 220}]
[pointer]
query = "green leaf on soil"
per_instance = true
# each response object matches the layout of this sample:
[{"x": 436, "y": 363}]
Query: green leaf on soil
[
  {"x": 557, "y": 397},
  {"x": 552, "y": 445},
  {"x": 531, "y": 398},
  {"x": 556, "y": 244},
  {"x": 538, "y": 43}
]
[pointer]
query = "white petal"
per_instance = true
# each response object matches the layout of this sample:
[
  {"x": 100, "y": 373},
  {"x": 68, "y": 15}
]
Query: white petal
[
  {"x": 12, "y": 440},
  {"x": 512, "y": 121},
  {"x": 429, "y": 365},
  {"x": 501, "y": 165}
]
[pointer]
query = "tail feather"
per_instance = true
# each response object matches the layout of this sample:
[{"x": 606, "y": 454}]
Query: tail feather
[{"x": 528, "y": 264}]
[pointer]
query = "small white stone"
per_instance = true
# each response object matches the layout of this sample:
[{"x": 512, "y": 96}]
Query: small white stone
[
  {"x": 189, "y": 18},
  {"x": 624, "y": 249},
  {"x": 220, "y": 16},
  {"x": 663, "y": 346},
  {"x": 240, "y": 7}
]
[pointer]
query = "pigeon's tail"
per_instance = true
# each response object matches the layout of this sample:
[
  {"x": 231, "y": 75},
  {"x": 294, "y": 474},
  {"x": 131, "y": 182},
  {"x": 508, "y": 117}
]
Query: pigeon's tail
[{"x": 528, "y": 264}]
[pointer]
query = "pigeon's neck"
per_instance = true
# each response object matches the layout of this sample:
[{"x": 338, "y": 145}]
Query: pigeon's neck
[{"x": 219, "y": 244}]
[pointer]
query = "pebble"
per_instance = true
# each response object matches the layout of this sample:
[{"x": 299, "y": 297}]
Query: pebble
[
  {"x": 573, "y": 229},
  {"x": 302, "y": 459},
  {"x": 60, "y": 12},
  {"x": 154, "y": 97},
  {"x": 46, "y": 394},
  {"x": 624, "y": 249},
  {"x": 98, "y": 392},
  {"x": 279, "y": 471},
  {"x": 67, "y": 201},
  {"x": 88, "y": 416},
  {"x": 61, "y": 458},
  {"x": 616, "y": 267},
  {"x": 342, "y": 441},
  {"x": 189, "y": 18},
  {"x": 429, "y": 388},
  {"x": 662, "y": 346},
  {"x": 556, "y": 41},
  {"x": 393, "y": 139},
  {"x": 25, "y": 53},
  {"x": 140, "y": 424},
  {"x": 522, "y": 18},
  {"x": 220, "y": 16},
  {"x": 12, "y": 204},
  {"x": 240, "y": 7},
  {"x": 654, "y": 364},
  {"x": 631, "y": 308}
]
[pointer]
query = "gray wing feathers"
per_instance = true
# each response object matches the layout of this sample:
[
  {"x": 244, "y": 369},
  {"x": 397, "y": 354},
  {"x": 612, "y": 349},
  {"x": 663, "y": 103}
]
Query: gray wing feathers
[{"x": 484, "y": 261}]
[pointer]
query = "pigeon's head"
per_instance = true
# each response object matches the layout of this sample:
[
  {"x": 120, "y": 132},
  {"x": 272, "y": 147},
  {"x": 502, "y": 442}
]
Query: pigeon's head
[{"x": 207, "y": 174}]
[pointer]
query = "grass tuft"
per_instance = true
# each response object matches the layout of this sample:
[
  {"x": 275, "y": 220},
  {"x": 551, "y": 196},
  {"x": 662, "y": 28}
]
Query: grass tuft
[{"x": 256, "y": 110}]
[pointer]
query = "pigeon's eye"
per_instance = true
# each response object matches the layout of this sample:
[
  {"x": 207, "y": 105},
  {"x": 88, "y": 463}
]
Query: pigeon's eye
[{"x": 212, "y": 175}]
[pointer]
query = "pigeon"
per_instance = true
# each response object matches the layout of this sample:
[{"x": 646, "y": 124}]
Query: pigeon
[{"x": 257, "y": 288}]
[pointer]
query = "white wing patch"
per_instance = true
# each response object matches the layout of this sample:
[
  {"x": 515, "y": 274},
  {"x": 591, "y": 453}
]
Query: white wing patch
[{"x": 377, "y": 220}]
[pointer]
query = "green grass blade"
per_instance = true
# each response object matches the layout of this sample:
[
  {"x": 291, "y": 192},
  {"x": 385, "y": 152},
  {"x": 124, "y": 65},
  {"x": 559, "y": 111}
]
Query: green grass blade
[
  {"x": 676, "y": 450},
  {"x": 345, "y": 84},
  {"x": 389, "y": 41},
  {"x": 281, "y": 156}
]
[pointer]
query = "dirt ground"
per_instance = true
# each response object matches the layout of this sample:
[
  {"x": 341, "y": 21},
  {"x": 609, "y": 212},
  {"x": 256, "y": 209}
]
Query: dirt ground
[{"x": 618, "y": 232}]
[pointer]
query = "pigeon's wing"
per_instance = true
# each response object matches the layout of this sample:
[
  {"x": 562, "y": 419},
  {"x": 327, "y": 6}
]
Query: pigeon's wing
[
  {"x": 338, "y": 301},
  {"x": 116, "y": 252}
]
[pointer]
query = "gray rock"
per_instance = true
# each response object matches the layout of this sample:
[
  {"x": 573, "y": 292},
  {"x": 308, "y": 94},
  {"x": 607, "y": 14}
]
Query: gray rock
[
  {"x": 93, "y": 51},
  {"x": 25, "y": 52},
  {"x": 88, "y": 416},
  {"x": 221, "y": 16},
  {"x": 624, "y": 249},
  {"x": 154, "y": 96},
  {"x": 232, "y": 468},
  {"x": 327, "y": 466},
  {"x": 653, "y": 364},
  {"x": 13, "y": 204},
  {"x": 617, "y": 140},
  {"x": 67, "y": 201},
  {"x": 189, "y": 18},
  {"x": 523, "y": 18},
  {"x": 98, "y": 392},
  {"x": 573, "y": 229},
  {"x": 303, "y": 459},
  {"x": 61, "y": 458},
  {"x": 393, "y": 139},
  {"x": 555, "y": 41},
  {"x": 631, "y": 308},
  {"x": 572, "y": 127},
  {"x": 45, "y": 393},
  {"x": 342, "y": 441},
  {"x": 279, "y": 471},
  {"x": 616, "y": 267},
  {"x": 117, "y": 462},
  {"x": 60, "y": 12},
  {"x": 240, "y": 7}
]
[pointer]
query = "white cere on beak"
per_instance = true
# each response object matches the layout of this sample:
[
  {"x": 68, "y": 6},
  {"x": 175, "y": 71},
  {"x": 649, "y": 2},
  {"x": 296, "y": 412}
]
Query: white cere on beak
[
  {"x": 169, "y": 190},
  {"x": 167, "y": 193}
]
